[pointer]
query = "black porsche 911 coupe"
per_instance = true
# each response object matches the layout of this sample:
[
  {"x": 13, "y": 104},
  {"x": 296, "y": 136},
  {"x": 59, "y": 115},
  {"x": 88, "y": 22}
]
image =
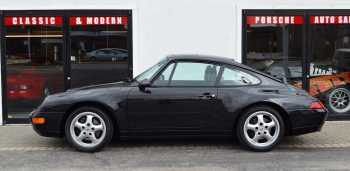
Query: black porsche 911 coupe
[{"x": 182, "y": 96}]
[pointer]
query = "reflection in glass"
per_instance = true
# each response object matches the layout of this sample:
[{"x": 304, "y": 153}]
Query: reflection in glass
[
  {"x": 330, "y": 58},
  {"x": 98, "y": 54},
  {"x": 276, "y": 50},
  {"x": 34, "y": 67}
]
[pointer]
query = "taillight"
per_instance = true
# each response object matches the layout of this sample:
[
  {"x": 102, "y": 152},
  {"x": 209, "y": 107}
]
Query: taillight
[
  {"x": 12, "y": 87},
  {"x": 316, "y": 105},
  {"x": 26, "y": 87}
]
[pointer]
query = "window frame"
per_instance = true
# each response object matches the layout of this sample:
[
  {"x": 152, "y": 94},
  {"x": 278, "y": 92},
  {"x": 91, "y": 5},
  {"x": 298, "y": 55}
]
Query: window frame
[
  {"x": 239, "y": 69},
  {"x": 220, "y": 65}
]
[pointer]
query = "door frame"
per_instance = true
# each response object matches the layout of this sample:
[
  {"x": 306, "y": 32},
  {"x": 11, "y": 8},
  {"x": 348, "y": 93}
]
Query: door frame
[
  {"x": 7, "y": 120},
  {"x": 3, "y": 72}
]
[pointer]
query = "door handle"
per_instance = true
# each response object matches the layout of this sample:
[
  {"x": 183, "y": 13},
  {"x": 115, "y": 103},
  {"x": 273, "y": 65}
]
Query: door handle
[{"x": 207, "y": 96}]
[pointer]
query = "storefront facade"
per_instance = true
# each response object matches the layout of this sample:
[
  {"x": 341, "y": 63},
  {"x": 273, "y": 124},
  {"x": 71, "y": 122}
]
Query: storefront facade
[
  {"x": 47, "y": 49},
  {"x": 309, "y": 47}
]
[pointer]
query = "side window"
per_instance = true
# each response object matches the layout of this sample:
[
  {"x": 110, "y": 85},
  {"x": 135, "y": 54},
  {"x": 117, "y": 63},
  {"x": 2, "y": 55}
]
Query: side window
[
  {"x": 163, "y": 79},
  {"x": 194, "y": 74},
  {"x": 232, "y": 77},
  {"x": 109, "y": 52}
]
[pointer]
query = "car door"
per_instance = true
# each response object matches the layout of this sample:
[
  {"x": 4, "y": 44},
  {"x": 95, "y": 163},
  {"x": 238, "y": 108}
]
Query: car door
[
  {"x": 182, "y": 96},
  {"x": 110, "y": 55},
  {"x": 119, "y": 54},
  {"x": 101, "y": 55}
]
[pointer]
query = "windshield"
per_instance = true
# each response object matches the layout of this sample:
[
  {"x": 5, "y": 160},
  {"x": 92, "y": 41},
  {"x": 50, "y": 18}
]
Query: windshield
[{"x": 148, "y": 73}]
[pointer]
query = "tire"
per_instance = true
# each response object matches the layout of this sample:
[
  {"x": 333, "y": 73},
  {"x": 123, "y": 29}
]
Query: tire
[
  {"x": 337, "y": 100},
  {"x": 260, "y": 128},
  {"x": 88, "y": 129},
  {"x": 93, "y": 58},
  {"x": 45, "y": 92}
]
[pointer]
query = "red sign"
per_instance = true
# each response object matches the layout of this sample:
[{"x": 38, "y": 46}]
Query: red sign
[
  {"x": 274, "y": 20},
  {"x": 33, "y": 21},
  {"x": 120, "y": 20},
  {"x": 316, "y": 19}
]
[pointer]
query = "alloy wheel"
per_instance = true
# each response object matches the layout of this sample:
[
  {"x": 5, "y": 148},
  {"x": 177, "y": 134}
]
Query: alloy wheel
[
  {"x": 339, "y": 100},
  {"x": 88, "y": 129},
  {"x": 261, "y": 129}
]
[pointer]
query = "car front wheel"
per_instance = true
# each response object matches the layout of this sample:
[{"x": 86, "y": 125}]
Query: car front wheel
[
  {"x": 88, "y": 129},
  {"x": 260, "y": 128}
]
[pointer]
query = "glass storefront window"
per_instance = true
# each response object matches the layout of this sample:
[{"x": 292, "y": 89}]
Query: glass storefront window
[
  {"x": 34, "y": 67},
  {"x": 330, "y": 62},
  {"x": 99, "y": 52},
  {"x": 274, "y": 46}
]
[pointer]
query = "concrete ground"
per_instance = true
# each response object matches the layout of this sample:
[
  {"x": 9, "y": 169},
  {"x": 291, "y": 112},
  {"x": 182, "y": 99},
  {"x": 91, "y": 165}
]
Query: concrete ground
[{"x": 22, "y": 137}]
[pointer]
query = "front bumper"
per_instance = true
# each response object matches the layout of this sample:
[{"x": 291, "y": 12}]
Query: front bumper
[
  {"x": 52, "y": 125},
  {"x": 307, "y": 120}
]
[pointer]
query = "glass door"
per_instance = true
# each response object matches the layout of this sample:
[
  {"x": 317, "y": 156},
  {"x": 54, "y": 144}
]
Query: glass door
[
  {"x": 100, "y": 49},
  {"x": 274, "y": 44},
  {"x": 34, "y": 60}
]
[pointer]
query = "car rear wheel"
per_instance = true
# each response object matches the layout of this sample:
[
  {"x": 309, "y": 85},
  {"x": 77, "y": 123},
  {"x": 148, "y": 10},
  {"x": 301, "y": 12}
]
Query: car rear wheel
[
  {"x": 88, "y": 129},
  {"x": 338, "y": 100},
  {"x": 92, "y": 58},
  {"x": 260, "y": 128}
]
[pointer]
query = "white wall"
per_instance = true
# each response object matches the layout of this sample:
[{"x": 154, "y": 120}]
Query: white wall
[{"x": 162, "y": 27}]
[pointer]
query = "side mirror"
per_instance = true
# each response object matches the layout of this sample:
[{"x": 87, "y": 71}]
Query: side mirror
[
  {"x": 143, "y": 84},
  {"x": 128, "y": 80}
]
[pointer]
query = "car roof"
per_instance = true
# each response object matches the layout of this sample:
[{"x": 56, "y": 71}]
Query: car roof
[
  {"x": 207, "y": 58},
  {"x": 200, "y": 57},
  {"x": 216, "y": 59}
]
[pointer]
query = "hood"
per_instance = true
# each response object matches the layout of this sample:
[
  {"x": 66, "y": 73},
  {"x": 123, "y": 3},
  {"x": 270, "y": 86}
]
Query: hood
[{"x": 108, "y": 86}]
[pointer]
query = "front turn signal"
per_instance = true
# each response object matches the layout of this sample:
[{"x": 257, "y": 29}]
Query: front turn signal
[
  {"x": 316, "y": 105},
  {"x": 38, "y": 120}
]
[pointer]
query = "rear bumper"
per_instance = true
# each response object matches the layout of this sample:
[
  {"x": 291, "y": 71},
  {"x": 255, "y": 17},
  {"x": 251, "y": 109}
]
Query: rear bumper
[
  {"x": 307, "y": 121},
  {"x": 33, "y": 94}
]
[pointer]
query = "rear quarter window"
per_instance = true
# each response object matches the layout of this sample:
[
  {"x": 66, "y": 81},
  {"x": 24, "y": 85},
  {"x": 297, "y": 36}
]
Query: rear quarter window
[{"x": 235, "y": 77}]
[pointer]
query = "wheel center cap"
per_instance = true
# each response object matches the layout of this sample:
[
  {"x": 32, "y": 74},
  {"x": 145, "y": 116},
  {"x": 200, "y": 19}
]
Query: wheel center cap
[{"x": 88, "y": 129}]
